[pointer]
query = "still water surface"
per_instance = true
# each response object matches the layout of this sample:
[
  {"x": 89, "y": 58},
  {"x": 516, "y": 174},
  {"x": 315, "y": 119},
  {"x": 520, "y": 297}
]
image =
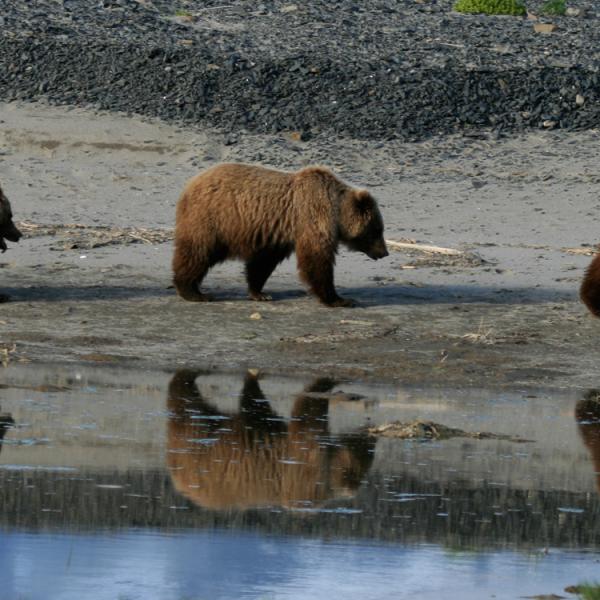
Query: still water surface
[
  {"x": 122, "y": 484},
  {"x": 224, "y": 565}
]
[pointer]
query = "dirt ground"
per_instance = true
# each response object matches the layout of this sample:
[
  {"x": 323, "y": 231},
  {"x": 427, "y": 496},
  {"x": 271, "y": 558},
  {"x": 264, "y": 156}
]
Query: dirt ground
[{"x": 95, "y": 195}]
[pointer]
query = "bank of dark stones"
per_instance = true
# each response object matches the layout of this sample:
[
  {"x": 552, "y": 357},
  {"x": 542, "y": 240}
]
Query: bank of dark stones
[{"x": 392, "y": 68}]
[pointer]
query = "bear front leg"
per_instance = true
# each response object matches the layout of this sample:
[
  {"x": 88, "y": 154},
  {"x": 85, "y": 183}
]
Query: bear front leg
[
  {"x": 316, "y": 269},
  {"x": 189, "y": 270}
]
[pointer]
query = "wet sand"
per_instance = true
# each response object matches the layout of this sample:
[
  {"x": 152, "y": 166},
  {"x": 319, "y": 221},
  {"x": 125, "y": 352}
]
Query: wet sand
[{"x": 85, "y": 295}]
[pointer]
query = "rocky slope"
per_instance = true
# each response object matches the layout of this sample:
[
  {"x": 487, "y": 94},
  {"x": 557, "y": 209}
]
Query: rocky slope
[{"x": 393, "y": 69}]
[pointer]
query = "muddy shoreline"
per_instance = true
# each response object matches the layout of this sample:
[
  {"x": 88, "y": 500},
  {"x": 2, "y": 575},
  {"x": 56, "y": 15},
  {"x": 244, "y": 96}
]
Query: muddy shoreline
[{"x": 526, "y": 206}]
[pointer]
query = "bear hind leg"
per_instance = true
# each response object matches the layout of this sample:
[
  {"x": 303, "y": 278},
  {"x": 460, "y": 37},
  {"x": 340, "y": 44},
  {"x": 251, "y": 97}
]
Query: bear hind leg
[
  {"x": 259, "y": 268},
  {"x": 189, "y": 269},
  {"x": 187, "y": 288}
]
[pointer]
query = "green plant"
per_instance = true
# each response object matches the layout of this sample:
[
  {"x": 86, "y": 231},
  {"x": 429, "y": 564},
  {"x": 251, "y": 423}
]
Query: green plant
[
  {"x": 588, "y": 591},
  {"x": 491, "y": 7},
  {"x": 555, "y": 7}
]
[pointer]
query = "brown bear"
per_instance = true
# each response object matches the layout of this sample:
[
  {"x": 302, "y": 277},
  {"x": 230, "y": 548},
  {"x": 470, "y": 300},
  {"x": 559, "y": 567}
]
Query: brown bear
[
  {"x": 590, "y": 287},
  {"x": 261, "y": 216},
  {"x": 253, "y": 458},
  {"x": 8, "y": 229}
]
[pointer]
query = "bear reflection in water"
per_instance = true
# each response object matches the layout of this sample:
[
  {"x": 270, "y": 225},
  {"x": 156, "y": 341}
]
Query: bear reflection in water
[
  {"x": 587, "y": 414},
  {"x": 6, "y": 423},
  {"x": 254, "y": 458}
]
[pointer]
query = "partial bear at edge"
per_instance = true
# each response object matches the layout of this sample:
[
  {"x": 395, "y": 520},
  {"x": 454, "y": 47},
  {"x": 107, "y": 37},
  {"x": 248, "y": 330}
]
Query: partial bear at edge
[
  {"x": 590, "y": 287},
  {"x": 262, "y": 216},
  {"x": 8, "y": 229}
]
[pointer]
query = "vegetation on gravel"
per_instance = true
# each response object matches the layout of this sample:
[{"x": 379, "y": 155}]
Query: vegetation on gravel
[
  {"x": 555, "y": 7},
  {"x": 588, "y": 591},
  {"x": 491, "y": 7}
]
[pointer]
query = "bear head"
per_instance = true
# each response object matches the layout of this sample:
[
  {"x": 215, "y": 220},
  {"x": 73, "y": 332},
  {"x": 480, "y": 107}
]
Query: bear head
[
  {"x": 361, "y": 224},
  {"x": 8, "y": 229}
]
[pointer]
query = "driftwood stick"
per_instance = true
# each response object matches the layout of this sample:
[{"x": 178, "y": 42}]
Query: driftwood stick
[{"x": 423, "y": 248}]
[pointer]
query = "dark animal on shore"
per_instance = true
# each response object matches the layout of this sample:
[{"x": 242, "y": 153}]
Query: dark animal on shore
[
  {"x": 253, "y": 458},
  {"x": 261, "y": 216},
  {"x": 590, "y": 287},
  {"x": 8, "y": 230}
]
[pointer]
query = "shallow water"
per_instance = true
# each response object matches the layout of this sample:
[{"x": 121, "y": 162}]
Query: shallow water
[
  {"x": 124, "y": 484},
  {"x": 223, "y": 565}
]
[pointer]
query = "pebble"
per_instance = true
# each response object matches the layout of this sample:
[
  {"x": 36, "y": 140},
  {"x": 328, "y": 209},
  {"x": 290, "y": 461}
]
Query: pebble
[
  {"x": 544, "y": 27},
  {"x": 573, "y": 11}
]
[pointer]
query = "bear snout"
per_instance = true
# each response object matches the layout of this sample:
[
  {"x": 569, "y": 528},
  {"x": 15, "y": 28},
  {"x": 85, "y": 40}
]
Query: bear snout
[{"x": 378, "y": 250}]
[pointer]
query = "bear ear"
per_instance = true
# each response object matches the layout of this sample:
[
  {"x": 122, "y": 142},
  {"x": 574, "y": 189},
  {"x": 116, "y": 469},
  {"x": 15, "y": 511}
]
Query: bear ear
[{"x": 363, "y": 201}]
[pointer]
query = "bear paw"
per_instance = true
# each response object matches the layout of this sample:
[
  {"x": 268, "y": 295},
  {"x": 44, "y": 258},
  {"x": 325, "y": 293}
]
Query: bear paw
[
  {"x": 343, "y": 303},
  {"x": 260, "y": 297},
  {"x": 196, "y": 297}
]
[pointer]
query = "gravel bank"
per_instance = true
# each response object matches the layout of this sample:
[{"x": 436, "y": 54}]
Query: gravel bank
[{"x": 397, "y": 69}]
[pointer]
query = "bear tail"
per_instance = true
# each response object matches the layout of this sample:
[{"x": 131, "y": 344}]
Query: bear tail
[{"x": 590, "y": 287}]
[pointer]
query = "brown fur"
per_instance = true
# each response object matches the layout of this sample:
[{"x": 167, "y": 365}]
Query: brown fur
[
  {"x": 590, "y": 287},
  {"x": 587, "y": 414},
  {"x": 8, "y": 230},
  {"x": 253, "y": 458},
  {"x": 261, "y": 216}
]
